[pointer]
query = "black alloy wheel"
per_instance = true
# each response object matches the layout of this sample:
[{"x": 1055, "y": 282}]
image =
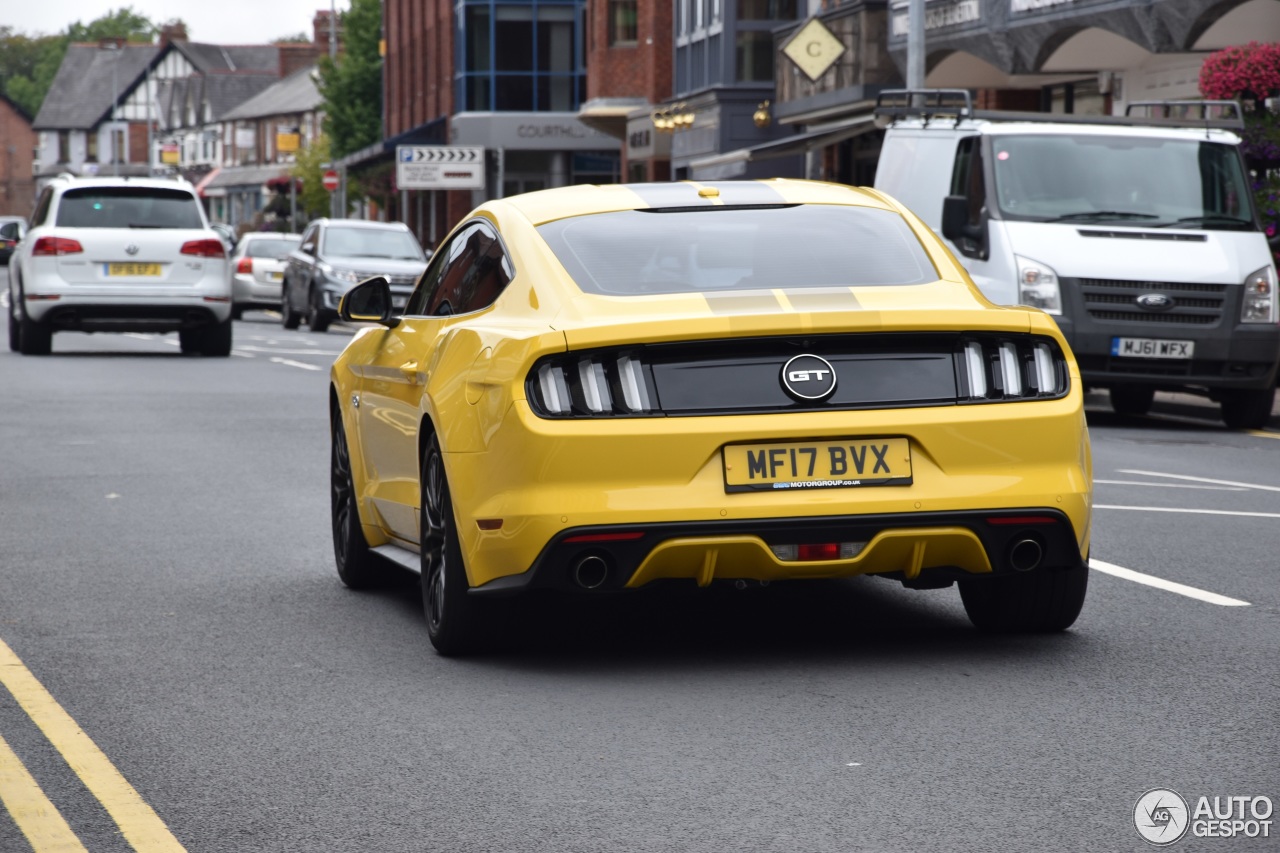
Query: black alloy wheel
[
  {"x": 358, "y": 567},
  {"x": 457, "y": 623}
]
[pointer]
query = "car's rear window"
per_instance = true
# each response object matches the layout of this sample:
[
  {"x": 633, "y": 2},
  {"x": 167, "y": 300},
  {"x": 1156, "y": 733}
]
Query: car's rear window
[
  {"x": 638, "y": 252},
  {"x": 270, "y": 248},
  {"x": 129, "y": 207}
]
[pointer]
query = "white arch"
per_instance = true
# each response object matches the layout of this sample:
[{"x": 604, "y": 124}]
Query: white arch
[
  {"x": 1256, "y": 20},
  {"x": 1095, "y": 49}
]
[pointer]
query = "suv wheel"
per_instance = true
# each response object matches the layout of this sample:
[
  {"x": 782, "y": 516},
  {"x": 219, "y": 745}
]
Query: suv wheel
[
  {"x": 34, "y": 337},
  {"x": 13, "y": 331},
  {"x": 215, "y": 340},
  {"x": 288, "y": 317},
  {"x": 318, "y": 318}
]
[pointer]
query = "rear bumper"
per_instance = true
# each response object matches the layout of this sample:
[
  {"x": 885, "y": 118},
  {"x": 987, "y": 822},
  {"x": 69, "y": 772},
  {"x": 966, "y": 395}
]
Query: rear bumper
[
  {"x": 128, "y": 314},
  {"x": 247, "y": 291},
  {"x": 923, "y": 549}
]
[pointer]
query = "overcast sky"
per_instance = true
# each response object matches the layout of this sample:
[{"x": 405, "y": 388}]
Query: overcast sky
[{"x": 217, "y": 21}]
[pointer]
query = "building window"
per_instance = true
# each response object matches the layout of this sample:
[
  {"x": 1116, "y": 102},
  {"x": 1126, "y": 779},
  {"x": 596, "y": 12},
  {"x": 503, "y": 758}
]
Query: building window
[
  {"x": 64, "y": 146},
  {"x": 539, "y": 64},
  {"x": 118, "y": 150},
  {"x": 91, "y": 146},
  {"x": 767, "y": 10},
  {"x": 622, "y": 22},
  {"x": 755, "y": 56}
]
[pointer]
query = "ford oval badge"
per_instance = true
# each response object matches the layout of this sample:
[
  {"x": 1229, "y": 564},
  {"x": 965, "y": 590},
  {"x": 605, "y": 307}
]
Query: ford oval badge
[{"x": 1155, "y": 301}]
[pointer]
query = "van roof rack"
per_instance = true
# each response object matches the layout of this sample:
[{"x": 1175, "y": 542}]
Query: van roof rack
[{"x": 956, "y": 105}]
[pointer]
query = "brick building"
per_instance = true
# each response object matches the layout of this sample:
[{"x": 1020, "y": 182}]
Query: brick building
[
  {"x": 629, "y": 61},
  {"x": 17, "y": 152}
]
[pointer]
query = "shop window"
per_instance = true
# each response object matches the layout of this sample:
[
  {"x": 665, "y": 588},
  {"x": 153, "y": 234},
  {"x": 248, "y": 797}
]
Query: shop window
[
  {"x": 478, "y": 57},
  {"x": 91, "y": 147},
  {"x": 514, "y": 92},
  {"x": 622, "y": 22},
  {"x": 767, "y": 10},
  {"x": 755, "y": 56},
  {"x": 513, "y": 29}
]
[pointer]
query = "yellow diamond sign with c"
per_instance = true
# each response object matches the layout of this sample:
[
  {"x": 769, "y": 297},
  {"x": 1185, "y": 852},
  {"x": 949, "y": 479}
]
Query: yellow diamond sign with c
[{"x": 814, "y": 49}]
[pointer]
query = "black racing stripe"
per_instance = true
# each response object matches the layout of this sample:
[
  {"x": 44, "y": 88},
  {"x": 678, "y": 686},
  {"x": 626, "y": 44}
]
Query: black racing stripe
[
  {"x": 674, "y": 194},
  {"x": 742, "y": 193}
]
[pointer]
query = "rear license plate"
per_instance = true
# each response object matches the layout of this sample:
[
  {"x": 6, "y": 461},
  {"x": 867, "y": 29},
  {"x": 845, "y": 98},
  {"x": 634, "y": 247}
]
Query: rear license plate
[
  {"x": 817, "y": 464},
  {"x": 1151, "y": 348},
  {"x": 132, "y": 270},
  {"x": 275, "y": 276}
]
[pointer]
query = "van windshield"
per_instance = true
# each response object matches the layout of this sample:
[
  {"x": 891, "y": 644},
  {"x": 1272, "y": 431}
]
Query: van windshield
[{"x": 1170, "y": 183}]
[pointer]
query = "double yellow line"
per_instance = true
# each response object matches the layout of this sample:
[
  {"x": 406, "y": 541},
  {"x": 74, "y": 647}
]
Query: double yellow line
[{"x": 37, "y": 817}]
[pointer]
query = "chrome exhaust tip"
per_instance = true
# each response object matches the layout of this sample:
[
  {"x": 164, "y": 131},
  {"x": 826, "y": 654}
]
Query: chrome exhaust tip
[
  {"x": 1025, "y": 554},
  {"x": 591, "y": 572}
]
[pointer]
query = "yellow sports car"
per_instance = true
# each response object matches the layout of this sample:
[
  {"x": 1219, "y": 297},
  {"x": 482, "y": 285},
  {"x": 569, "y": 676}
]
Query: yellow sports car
[{"x": 597, "y": 387}]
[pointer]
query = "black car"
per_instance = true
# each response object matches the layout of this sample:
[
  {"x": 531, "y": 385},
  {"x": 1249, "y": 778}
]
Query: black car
[
  {"x": 12, "y": 230},
  {"x": 337, "y": 254}
]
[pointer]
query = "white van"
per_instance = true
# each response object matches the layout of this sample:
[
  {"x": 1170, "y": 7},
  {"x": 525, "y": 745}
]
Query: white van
[{"x": 1138, "y": 234}]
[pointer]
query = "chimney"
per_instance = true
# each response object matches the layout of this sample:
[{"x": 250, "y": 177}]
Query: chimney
[
  {"x": 296, "y": 56},
  {"x": 176, "y": 31},
  {"x": 320, "y": 27},
  {"x": 110, "y": 43}
]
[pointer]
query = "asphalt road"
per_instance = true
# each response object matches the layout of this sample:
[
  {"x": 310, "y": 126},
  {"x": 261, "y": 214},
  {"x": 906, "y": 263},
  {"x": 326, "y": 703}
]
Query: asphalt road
[{"x": 166, "y": 576}]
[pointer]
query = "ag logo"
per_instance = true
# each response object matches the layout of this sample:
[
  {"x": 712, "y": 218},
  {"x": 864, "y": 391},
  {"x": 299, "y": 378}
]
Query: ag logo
[
  {"x": 131, "y": 249},
  {"x": 809, "y": 377},
  {"x": 1155, "y": 301},
  {"x": 1161, "y": 816}
]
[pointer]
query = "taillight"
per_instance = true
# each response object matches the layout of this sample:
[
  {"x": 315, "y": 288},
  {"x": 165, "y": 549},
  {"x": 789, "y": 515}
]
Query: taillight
[
  {"x": 1020, "y": 369},
  {"x": 204, "y": 248},
  {"x": 57, "y": 246},
  {"x": 594, "y": 384},
  {"x": 245, "y": 266}
]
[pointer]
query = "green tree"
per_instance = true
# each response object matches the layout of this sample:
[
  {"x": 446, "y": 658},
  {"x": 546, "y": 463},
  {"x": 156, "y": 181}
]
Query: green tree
[
  {"x": 313, "y": 199},
  {"x": 352, "y": 86},
  {"x": 28, "y": 64},
  {"x": 296, "y": 38}
]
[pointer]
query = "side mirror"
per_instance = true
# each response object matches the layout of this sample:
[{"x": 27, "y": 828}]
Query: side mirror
[
  {"x": 369, "y": 302},
  {"x": 969, "y": 238}
]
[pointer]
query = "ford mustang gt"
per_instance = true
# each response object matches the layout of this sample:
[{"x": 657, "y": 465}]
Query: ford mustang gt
[{"x": 598, "y": 387}]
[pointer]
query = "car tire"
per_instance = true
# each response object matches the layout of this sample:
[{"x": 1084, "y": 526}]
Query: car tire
[
  {"x": 457, "y": 622},
  {"x": 1249, "y": 409},
  {"x": 237, "y": 312},
  {"x": 34, "y": 337},
  {"x": 1132, "y": 399},
  {"x": 1040, "y": 601},
  {"x": 215, "y": 340},
  {"x": 318, "y": 318},
  {"x": 14, "y": 331},
  {"x": 358, "y": 567},
  {"x": 288, "y": 318}
]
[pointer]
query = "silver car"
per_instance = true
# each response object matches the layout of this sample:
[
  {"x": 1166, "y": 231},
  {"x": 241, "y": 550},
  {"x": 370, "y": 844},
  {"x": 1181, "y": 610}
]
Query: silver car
[{"x": 257, "y": 270}]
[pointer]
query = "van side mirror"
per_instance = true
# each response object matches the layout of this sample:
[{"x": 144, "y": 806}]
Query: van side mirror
[
  {"x": 369, "y": 302},
  {"x": 969, "y": 238}
]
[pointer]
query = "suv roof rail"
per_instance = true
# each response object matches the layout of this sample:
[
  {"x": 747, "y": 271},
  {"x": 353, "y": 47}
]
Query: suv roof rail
[{"x": 957, "y": 104}]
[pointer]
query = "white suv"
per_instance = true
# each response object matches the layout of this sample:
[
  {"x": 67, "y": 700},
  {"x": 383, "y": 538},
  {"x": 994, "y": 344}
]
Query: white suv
[{"x": 120, "y": 255}]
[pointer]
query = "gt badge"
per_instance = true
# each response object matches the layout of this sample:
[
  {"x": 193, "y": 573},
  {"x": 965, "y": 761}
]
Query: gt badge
[{"x": 809, "y": 377}]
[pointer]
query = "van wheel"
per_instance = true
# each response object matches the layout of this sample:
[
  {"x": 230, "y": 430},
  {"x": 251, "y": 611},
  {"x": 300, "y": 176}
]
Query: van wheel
[
  {"x": 1040, "y": 601},
  {"x": 1132, "y": 399},
  {"x": 1248, "y": 409}
]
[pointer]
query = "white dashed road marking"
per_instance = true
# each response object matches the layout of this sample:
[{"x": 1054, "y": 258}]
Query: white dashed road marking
[
  {"x": 1168, "y": 586},
  {"x": 1200, "y": 479},
  {"x": 1170, "y": 485},
  {"x": 1190, "y": 511},
  {"x": 291, "y": 363}
]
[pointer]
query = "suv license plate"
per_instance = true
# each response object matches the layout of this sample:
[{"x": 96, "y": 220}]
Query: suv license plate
[
  {"x": 1151, "y": 348},
  {"x": 826, "y": 464},
  {"x": 132, "y": 270}
]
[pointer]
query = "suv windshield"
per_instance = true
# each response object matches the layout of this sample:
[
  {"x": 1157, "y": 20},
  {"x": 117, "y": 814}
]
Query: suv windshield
[
  {"x": 129, "y": 207},
  {"x": 636, "y": 252},
  {"x": 371, "y": 243},
  {"x": 1145, "y": 182}
]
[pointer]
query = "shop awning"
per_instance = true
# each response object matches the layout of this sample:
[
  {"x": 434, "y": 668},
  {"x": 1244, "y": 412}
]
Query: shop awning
[{"x": 731, "y": 164}]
